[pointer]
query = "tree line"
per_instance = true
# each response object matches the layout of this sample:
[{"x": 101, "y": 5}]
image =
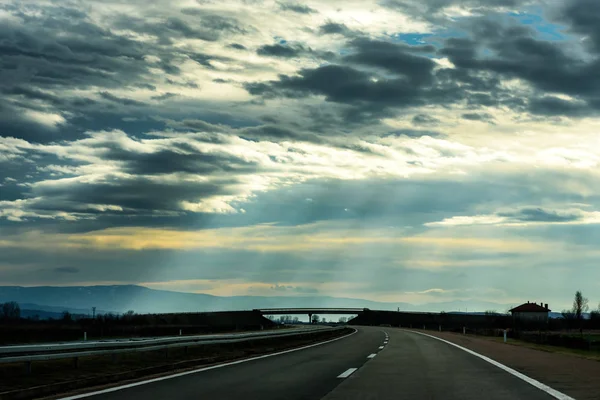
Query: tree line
[
  {"x": 10, "y": 311},
  {"x": 579, "y": 308}
]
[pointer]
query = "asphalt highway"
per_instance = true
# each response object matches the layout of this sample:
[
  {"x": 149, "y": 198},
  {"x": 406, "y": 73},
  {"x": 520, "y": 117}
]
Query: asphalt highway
[{"x": 372, "y": 364}]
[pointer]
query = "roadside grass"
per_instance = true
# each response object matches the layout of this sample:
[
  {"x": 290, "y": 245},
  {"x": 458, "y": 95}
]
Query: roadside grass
[
  {"x": 588, "y": 354},
  {"x": 93, "y": 369}
]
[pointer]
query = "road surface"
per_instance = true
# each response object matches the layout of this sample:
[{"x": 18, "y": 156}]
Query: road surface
[{"x": 372, "y": 364}]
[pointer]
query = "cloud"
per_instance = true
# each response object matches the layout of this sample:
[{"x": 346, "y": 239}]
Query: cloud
[
  {"x": 332, "y": 28},
  {"x": 278, "y": 50},
  {"x": 539, "y": 214},
  {"x": 423, "y": 119},
  {"x": 484, "y": 117},
  {"x": 556, "y": 106},
  {"x": 582, "y": 17},
  {"x": 525, "y": 216},
  {"x": 516, "y": 52},
  {"x": 431, "y": 137},
  {"x": 296, "y": 7}
]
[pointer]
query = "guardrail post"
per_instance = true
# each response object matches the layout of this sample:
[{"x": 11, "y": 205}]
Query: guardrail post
[
  {"x": 423, "y": 327},
  {"x": 464, "y": 330},
  {"x": 180, "y": 332},
  {"x": 505, "y": 336},
  {"x": 84, "y": 336}
]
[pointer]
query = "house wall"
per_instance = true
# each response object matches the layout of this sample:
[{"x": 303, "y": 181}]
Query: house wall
[{"x": 531, "y": 316}]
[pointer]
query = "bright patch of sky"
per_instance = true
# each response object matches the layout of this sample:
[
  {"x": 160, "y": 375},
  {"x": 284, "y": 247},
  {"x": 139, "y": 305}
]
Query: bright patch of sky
[{"x": 535, "y": 18}]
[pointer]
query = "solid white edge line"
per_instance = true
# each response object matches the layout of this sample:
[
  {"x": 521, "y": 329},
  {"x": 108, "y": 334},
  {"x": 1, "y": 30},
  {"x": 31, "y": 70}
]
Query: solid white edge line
[
  {"x": 162, "y": 378},
  {"x": 545, "y": 388},
  {"x": 347, "y": 373},
  {"x": 371, "y": 355}
]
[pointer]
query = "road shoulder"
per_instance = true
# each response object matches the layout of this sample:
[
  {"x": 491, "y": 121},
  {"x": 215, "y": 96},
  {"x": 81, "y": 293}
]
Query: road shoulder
[{"x": 572, "y": 375}]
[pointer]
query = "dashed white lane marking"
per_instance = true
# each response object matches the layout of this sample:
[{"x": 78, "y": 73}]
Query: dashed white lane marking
[
  {"x": 371, "y": 355},
  {"x": 347, "y": 373},
  {"x": 554, "y": 393},
  {"x": 380, "y": 347},
  {"x": 162, "y": 378}
]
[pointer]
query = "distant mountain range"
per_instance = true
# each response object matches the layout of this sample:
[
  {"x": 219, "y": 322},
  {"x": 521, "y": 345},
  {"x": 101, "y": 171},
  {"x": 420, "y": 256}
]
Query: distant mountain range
[{"x": 121, "y": 298}]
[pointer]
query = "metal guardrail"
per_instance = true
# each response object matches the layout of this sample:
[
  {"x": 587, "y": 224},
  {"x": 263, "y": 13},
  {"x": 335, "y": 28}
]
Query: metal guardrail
[{"x": 13, "y": 354}]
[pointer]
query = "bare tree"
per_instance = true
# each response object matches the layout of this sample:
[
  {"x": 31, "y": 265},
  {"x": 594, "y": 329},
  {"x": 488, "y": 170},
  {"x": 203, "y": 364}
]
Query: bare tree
[
  {"x": 580, "y": 305},
  {"x": 315, "y": 319},
  {"x": 11, "y": 310},
  {"x": 66, "y": 316}
]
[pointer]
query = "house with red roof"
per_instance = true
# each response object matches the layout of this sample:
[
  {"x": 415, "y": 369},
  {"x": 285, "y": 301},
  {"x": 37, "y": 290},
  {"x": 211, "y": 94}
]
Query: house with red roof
[{"x": 531, "y": 312}]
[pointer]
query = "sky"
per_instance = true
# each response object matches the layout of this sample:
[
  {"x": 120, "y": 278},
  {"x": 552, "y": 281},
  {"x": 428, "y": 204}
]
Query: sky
[{"x": 394, "y": 150}]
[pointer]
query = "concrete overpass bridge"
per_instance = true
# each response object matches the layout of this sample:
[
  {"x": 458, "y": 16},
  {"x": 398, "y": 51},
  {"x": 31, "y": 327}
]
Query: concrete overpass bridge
[{"x": 310, "y": 311}]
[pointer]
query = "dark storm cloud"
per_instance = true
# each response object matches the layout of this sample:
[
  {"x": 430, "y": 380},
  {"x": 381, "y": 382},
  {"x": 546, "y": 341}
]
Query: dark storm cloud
[
  {"x": 377, "y": 77},
  {"x": 237, "y": 46},
  {"x": 538, "y": 214},
  {"x": 337, "y": 83},
  {"x": 371, "y": 95},
  {"x": 205, "y": 59},
  {"x": 13, "y": 123},
  {"x": 517, "y": 53},
  {"x": 181, "y": 158},
  {"x": 395, "y": 58},
  {"x": 583, "y": 17},
  {"x": 553, "y": 106},
  {"x": 278, "y": 50},
  {"x": 331, "y": 28},
  {"x": 296, "y": 7},
  {"x": 138, "y": 194},
  {"x": 56, "y": 49}
]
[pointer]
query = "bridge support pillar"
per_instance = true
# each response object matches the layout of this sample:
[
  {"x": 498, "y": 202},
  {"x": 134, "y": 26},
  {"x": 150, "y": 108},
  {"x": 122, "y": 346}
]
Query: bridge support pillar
[{"x": 310, "y": 318}]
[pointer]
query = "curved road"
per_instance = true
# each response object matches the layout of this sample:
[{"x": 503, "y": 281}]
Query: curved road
[{"x": 364, "y": 366}]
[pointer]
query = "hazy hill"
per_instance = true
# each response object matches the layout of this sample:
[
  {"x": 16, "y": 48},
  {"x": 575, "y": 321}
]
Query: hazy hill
[{"x": 120, "y": 298}]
